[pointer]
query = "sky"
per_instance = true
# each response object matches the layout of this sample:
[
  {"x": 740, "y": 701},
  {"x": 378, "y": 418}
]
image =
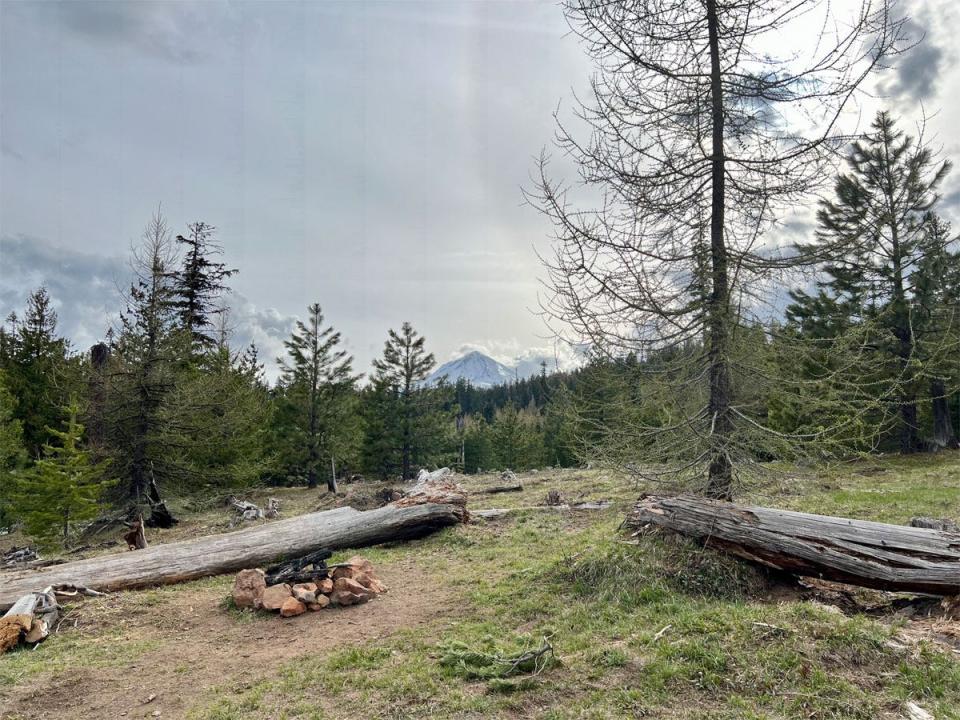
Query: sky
[{"x": 368, "y": 156}]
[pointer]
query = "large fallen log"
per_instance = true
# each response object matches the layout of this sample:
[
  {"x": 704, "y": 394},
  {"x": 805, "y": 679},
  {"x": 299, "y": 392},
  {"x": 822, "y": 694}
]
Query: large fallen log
[
  {"x": 229, "y": 552},
  {"x": 871, "y": 554}
]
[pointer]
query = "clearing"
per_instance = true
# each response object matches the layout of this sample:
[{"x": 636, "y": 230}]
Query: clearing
[{"x": 657, "y": 629}]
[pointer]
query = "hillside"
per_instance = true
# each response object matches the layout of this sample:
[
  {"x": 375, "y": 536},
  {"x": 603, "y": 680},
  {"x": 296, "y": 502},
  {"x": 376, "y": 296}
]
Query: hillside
[{"x": 653, "y": 629}]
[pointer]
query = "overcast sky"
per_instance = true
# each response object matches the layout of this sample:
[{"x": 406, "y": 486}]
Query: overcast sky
[{"x": 368, "y": 156}]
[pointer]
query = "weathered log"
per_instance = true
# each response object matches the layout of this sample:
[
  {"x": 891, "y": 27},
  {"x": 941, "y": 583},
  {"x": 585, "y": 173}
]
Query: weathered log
[
  {"x": 17, "y": 621},
  {"x": 870, "y": 554},
  {"x": 503, "y": 489},
  {"x": 31, "y": 619},
  {"x": 229, "y": 552}
]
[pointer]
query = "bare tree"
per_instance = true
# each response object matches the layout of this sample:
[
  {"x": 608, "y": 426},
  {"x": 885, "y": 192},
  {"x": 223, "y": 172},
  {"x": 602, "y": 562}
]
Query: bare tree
[{"x": 707, "y": 121}]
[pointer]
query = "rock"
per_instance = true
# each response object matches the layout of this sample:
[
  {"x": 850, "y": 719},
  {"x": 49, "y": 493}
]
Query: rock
[
  {"x": 325, "y": 586},
  {"x": 360, "y": 563},
  {"x": 322, "y": 602},
  {"x": 292, "y": 607},
  {"x": 274, "y": 596},
  {"x": 305, "y": 592},
  {"x": 349, "y": 585},
  {"x": 304, "y": 596},
  {"x": 342, "y": 572},
  {"x": 508, "y": 475},
  {"x": 343, "y": 597},
  {"x": 370, "y": 582},
  {"x": 248, "y": 588}
]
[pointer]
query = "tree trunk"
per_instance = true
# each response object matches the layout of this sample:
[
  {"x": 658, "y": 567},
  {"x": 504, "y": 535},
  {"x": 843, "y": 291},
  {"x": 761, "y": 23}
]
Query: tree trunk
[
  {"x": 909, "y": 427},
  {"x": 229, "y": 552},
  {"x": 332, "y": 482},
  {"x": 943, "y": 434},
  {"x": 720, "y": 478},
  {"x": 871, "y": 554}
]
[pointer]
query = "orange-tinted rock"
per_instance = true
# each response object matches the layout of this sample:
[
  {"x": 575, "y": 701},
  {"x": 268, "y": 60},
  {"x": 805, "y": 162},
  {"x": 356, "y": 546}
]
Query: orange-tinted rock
[
  {"x": 248, "y": 588},
  {"x": 345, "y": 597},
  {"x": 361, "y": 563},
  {"x": 343, "y": 572},
  {"x": 274, "y": 596},
  {"x": 349, "y": 585},
  {"x": 322, "y": 602},
  {"x": 292, "y": 607},
  {"x": 325, "y": 586}
]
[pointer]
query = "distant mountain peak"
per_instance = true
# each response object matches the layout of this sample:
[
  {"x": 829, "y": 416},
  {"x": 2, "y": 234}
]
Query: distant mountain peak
[
  {"x": 482, "y": 371},
  {"x": 478, "y": 369}
]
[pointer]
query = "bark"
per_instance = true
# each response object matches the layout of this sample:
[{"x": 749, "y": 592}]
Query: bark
[
  {"x": 720, "y": 478},
  {"x": 943, "y": 433},
  {"x": 160, "y": 515},
  {"x": 229, "y": 552},
  {"x": 17, "y": 621},
  {"x": 871, "y": 554},
  {"x": 332, "y": 480},
  {"x": 31, "y": 618}
]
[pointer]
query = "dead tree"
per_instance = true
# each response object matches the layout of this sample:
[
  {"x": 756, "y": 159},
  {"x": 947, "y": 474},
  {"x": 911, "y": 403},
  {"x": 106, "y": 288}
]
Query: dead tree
[{"x": 708, "y": 121}]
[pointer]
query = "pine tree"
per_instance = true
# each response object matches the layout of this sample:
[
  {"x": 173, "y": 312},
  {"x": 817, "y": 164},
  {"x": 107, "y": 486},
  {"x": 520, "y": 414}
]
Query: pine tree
[
  {"x": 198, "y": 285},
  {"x": 414, "y": 414},
  {"x": 145, "y": 355},
  {"x": 38, "y": 370},
  {"x": 318, "y": 398},
  {"x": 872, "y": 241},
  {"x": 63, "y": 487},
  {"x": 12, "y": 454},
  {"x": 223, "y": 411}
]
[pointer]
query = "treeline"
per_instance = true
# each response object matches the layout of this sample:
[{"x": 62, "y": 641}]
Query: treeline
[
  {"x": 166, "y": 405},
  {"x": 863, "y": 359}
]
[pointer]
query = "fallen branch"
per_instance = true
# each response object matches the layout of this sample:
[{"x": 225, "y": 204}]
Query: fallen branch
[
  {"x": 492, "y": 513},
  {"x": 503, "y": 489},
  {"x": 870, "y": 554}
]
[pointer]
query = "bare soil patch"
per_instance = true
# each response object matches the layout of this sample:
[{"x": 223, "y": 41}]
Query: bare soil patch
[{"x": 197, "y": 644}]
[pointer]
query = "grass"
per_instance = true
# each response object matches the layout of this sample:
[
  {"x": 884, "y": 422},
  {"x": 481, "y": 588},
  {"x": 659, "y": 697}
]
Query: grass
[{"x": 657, "y": 629}]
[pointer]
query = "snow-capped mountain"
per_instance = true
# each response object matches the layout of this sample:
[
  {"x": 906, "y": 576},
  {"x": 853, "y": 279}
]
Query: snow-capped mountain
[
  {"x": 478, "y": 369},
  {"x": 483, "y": 371}
]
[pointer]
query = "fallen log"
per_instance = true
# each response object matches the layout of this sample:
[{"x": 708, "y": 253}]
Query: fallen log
[
  {"x": 229, "y": 552},
  {"x": 870, "y": 554},
  {"x": 503, "y": 489}
]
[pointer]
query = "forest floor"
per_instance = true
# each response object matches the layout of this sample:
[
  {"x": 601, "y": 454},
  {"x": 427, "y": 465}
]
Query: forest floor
[{"x": 658, "y": 629}]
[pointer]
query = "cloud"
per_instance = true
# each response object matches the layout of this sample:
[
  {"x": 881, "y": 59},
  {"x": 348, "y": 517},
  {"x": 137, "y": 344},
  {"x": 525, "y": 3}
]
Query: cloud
[
  {"x": 84, "y": 286},
  {"x": 87, "y": 293},
  {"x": 267, "y": 328},
  {"x": 178, "y": 32},
  {"x": 917, "y": 72}
]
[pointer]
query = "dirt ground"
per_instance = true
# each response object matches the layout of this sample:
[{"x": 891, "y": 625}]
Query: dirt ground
[{"x": 197, "y": 644}]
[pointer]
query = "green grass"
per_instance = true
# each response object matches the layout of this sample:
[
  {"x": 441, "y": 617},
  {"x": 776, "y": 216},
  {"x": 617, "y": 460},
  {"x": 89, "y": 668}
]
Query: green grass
[
  {"x": 723, "y": 652},
  {"x": 659, "y": 629}
]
